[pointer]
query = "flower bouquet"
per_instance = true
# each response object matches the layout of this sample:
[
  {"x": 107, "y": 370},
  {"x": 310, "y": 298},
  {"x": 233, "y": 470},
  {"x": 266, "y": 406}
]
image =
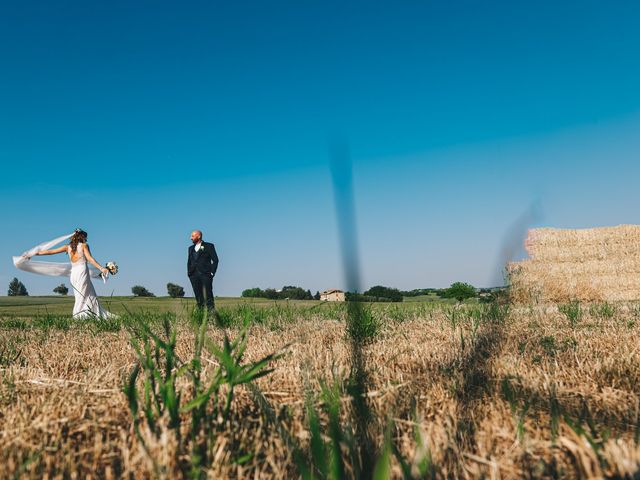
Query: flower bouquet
[{"x": 112, "y": 267}]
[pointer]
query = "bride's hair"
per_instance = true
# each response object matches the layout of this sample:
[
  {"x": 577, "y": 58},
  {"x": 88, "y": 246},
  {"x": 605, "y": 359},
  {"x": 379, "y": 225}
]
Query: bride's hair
[{"x": 79, "y": 236}]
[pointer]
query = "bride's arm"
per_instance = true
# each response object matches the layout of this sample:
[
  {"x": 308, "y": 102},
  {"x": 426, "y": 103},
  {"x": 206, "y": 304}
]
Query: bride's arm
[
  {"x": 92, "y": 260},
  {"x": 52, "y": 252}
]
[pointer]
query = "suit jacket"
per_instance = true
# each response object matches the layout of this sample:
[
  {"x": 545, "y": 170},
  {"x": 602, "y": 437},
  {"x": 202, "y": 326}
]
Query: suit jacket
[{"x": 204, "y": 261}]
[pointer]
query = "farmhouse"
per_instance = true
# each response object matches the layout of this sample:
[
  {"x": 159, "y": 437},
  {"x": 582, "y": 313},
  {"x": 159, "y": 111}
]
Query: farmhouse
[
  {"x": 333, "y": 295},
  {"x": 589, "y": 265}
]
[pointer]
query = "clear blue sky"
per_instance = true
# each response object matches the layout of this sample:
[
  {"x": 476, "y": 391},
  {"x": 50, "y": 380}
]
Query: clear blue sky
[{"x": 139, "y": 121}]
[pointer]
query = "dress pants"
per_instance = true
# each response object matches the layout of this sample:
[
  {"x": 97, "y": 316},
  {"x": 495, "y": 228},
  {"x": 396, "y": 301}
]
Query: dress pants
[{"x": 203, "y": 289}]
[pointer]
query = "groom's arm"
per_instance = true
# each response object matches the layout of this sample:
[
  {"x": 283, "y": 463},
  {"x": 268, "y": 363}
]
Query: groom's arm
[
  {"x": 189, "y": 261},
  {"x": 214, "y": 260}
]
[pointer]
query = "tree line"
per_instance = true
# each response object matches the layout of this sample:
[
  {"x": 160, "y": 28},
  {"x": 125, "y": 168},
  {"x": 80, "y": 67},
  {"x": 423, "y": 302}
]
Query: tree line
[
  {"x": 379, "y": 293},
  {"x": 287, "y": 292},
  {"x": 458, "y": 290},
  {"x": 18, "y": 289}
]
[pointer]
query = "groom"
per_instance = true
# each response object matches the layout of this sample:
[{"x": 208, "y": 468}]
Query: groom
[{"x": 202, "y": 264}]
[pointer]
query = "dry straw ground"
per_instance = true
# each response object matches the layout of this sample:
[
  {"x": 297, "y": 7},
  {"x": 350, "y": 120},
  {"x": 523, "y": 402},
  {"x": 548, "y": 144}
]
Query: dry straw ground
[
  {"x": 596, "y": 264},
  {"x": 536, "y": 393}
]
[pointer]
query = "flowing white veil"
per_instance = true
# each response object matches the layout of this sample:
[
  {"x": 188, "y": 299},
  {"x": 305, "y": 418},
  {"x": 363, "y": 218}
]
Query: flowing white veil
[{"x": 53, "y": 269}]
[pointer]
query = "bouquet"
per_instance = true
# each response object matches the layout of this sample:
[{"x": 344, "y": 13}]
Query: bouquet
[{"x": 112, "y": 267}]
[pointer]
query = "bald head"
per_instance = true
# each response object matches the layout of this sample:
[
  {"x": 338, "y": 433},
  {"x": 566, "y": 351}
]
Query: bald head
[{"x": 196, "y": 236}]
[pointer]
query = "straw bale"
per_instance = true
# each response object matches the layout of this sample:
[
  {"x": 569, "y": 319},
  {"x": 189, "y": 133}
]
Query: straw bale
[{"x": 594, "y": 264}]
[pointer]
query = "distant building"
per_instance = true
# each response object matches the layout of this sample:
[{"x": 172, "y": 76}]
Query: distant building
[{"x": 333, "y": 295}]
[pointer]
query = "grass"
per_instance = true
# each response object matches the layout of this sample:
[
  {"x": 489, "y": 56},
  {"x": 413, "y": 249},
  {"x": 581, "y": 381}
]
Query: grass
[
  {"x": 57, "y": 305},
  {"x": 447, "y": 391},
  {"x": 62, "y": 305},
  {"x": 210, "y": 408}
]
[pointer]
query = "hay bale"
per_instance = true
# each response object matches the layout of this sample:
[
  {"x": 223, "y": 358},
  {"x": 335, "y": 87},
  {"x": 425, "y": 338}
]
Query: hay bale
[{"x": 589, "y": 265}]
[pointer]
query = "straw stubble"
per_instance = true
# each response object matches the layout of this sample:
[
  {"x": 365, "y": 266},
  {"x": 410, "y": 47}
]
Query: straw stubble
[{"x": 63, "y": 411}]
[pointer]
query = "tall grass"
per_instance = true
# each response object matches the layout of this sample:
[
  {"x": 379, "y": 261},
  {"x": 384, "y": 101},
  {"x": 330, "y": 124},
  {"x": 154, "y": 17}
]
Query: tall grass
[{"x": 209, "y": 408}]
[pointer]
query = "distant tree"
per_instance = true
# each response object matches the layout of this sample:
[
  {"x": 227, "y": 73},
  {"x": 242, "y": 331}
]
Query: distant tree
[
  {"x": 293, "y": 293},
  {"x": 253, "y": 293},
  {"x": 271, "y": 294},
  {"x": 140, "y": 291},
  {"x": 359, "y": 297},
  {"x": 17, "y": 289},
  {"x": 308, "y": 296},
  {"x": 460, "y": 291},
  {"x": 61, "y": 289},
  {"x": 384, "y": 294},
  {"x": 317, "y": 295},
  {"x": 175, "y": 291}
]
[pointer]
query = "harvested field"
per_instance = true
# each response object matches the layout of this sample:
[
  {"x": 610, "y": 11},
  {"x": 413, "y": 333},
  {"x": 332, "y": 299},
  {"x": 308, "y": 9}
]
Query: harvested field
[
  {"x": 471, "y": 391},
  {"x": 596, "y": 264}
]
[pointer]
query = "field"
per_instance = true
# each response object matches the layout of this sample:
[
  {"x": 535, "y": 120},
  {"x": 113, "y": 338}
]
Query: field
[
  {"x": 411, "y": 390},
  {"x": 57, "y": 305}
]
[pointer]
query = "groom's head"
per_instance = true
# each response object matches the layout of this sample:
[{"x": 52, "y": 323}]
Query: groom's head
[{"x": 196, "y": 236}]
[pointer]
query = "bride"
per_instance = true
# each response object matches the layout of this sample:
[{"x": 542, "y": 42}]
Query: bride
[{"x": 86, "y": 301}]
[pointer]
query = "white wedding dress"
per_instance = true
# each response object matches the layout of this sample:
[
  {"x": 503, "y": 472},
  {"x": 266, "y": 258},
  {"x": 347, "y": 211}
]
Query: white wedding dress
[
  {"x": 87, "y": 303},
  {"x": 86, "y": 300}
]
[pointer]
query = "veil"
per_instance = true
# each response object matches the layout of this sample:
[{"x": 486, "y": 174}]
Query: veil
[{"x": 52, "y": 269}]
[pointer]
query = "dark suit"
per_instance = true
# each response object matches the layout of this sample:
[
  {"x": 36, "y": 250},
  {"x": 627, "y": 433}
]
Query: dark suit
[{"x": 201, "y": 267}]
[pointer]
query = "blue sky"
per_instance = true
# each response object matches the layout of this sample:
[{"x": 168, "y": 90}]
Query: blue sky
[{"x": 139, "y": 121}]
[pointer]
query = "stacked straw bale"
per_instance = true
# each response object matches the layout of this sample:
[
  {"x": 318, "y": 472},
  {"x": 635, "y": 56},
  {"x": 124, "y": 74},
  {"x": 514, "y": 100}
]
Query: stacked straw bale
[{"x": 589, "y": 265}]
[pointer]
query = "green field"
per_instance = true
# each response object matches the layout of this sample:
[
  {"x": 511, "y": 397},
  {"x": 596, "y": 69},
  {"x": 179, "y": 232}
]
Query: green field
[
  {"x": 57, "y": 305},
  {"x": 30, "y": 306}
]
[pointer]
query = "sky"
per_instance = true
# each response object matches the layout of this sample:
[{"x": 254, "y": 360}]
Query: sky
[{"x": 139, "y": 121}]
